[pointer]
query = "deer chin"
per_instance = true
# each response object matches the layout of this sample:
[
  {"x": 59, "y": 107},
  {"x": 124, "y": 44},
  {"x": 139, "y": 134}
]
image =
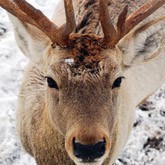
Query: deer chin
[{"x": 95, "y": 162}]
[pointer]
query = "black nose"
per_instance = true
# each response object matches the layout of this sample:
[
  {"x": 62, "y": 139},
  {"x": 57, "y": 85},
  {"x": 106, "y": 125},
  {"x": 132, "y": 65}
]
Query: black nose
[{"x": 89, "y": 153}]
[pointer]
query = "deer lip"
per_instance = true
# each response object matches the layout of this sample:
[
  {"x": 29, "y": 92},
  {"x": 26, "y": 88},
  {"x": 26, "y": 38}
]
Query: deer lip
[{"x": 85, "y": 162}]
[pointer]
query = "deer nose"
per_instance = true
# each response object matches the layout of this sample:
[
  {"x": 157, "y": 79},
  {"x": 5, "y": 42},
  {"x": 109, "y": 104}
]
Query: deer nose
[{"x": 89, "y": 153}]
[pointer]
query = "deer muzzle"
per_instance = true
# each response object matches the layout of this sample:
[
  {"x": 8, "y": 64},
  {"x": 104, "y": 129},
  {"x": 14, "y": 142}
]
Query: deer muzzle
[{"x": 88, "y": 145}]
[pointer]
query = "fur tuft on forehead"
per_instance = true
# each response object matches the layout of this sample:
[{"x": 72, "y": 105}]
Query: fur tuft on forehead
[{"x": 85, "y": 48}]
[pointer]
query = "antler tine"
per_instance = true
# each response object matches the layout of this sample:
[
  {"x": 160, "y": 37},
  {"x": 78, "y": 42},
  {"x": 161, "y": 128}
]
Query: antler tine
[
  {"x": 42, "y": 22},
  {"x": 70, "y": 24},
  {"x": 120, "y": 27},
  {"x": 121, "y": 22},
  {"x": 142, "y": 13},
  {"x": 107, "y": 26},
  {"x": 13, "y": 9}
]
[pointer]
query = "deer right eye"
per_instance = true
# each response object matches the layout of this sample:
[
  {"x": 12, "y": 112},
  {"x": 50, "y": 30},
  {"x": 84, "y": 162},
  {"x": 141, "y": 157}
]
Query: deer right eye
[
  {"x": 117, "y": 82},
  {"x": 52, "y": 83}
]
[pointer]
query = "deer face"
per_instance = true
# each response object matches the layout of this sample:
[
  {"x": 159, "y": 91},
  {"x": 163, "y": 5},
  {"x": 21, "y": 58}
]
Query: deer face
[{"x": 83, "y": 97}]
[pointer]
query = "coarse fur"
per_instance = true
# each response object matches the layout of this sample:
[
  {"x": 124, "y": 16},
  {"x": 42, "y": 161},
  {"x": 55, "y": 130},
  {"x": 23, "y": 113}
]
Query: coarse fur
[{"x": 85, "y": 106}]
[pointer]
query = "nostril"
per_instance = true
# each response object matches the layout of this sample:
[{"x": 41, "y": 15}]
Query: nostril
[
  {"x": 89, "y": 152},
  {"x": 101, "y": 147}
]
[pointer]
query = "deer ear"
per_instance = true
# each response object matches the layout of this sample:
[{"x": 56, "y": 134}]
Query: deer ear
[
  {"x": 144, "y": 43},
  {"x": 31, "y": 41}
]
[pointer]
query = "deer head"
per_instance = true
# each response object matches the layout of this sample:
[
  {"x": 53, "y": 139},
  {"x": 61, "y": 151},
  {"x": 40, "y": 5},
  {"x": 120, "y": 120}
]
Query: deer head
[{"x": 87, "y": 89}]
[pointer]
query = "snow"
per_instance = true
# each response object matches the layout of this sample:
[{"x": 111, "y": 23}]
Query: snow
[
  {"x": 146, "y": 145},
  {"x": 147, "y": 141}
]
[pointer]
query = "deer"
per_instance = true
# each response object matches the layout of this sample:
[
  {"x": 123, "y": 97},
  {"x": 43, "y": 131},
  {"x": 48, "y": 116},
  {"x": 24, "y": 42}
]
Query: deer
[{"x": 90, "y": 66}]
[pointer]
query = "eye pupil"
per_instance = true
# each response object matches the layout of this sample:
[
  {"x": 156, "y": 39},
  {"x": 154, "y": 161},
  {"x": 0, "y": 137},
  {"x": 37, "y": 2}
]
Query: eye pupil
[
  {"x": 51, "y": 83},
  {"x": 117, "y": 82}
]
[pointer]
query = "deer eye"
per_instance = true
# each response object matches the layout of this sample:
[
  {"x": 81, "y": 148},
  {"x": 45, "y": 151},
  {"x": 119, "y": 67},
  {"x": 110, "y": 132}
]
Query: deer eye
[
  {"x": 51, "y": 83},
  {"x": 117, "y": 82}
]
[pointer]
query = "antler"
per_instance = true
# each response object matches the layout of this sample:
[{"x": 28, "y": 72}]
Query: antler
[
  {"x": 107, "y": 26},
  {"x": 124, "y": 25},
  {"x": 27, "y": 13}
]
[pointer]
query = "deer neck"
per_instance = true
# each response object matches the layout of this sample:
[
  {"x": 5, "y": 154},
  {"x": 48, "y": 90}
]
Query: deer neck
[
  {"x": 86, "y": 14},
  {"x": 87, "y": 17}
]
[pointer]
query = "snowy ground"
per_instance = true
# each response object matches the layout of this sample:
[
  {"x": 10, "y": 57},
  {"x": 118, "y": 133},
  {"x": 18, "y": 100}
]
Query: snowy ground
[{"x": 146, "y": 145}]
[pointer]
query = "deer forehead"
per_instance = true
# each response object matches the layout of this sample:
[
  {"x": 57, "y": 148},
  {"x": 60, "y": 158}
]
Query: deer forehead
[{"x": 82, "y": 60}]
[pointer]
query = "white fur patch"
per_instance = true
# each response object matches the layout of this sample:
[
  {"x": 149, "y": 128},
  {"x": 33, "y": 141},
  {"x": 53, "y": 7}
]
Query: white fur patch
[{"x": 69, "y": 61}]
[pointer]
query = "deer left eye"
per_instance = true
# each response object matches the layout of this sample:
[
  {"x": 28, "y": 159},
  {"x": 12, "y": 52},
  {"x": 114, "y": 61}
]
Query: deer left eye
[
  {"x": 52, "y": 83},
  {"x": 117, "y": 82}
]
